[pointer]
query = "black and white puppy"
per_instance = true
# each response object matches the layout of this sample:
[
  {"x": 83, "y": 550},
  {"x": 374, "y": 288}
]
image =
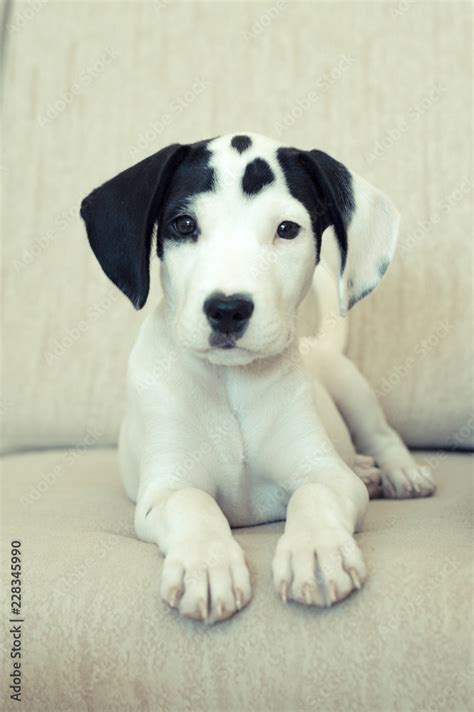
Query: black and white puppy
[{"x": 228, "y": 423}]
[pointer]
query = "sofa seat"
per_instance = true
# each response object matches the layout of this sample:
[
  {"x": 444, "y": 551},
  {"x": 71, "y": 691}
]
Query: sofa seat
[{"x": 96, "y": 635}]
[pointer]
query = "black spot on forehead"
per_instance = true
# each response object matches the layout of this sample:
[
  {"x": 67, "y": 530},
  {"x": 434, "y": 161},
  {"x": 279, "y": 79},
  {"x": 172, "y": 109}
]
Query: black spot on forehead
[
  {"x": 257, "y": 175},
  {"x": 191, "y": 177},
  {"x": 241, "y": 143}
]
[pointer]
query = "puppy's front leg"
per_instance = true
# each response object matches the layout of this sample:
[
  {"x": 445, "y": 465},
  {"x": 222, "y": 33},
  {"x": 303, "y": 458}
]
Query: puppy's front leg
[
  {"x": 204, "y": 572},
  {"x": 317, "y": 561}
]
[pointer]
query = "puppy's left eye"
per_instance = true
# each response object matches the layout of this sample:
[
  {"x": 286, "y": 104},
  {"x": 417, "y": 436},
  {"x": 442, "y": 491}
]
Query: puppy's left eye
[
  {"x": 185, "y": 225},
  {"x": 288, "y": 230}
]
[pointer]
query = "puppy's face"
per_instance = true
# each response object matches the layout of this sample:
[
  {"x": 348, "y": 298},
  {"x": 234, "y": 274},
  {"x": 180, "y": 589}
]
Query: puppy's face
[
  {"x": 239, "y": 225},
  {"x": 238, "y": 251}
]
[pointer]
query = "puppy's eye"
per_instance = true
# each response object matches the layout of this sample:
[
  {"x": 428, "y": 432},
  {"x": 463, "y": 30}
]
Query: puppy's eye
[
  {"x": 288, "y": 230},
  {"x": 185, "y": 225}
]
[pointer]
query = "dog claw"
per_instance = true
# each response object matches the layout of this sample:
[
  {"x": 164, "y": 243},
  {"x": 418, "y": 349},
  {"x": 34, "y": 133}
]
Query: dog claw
[
  {"x": 284, "y": 591},
  {"x": 175, "y": 595},
  {"x": 307, "y": 594},
  {"x": 203, "y": 609},
  {"x": 332, "y": 592},
  {"x": 238, "y": 599},
  {"x": 355, "y": 578}
]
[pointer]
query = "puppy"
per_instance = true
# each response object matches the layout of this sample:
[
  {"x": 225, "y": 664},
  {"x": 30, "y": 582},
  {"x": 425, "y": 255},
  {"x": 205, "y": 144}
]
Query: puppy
[{"x": 231, "y": 421}]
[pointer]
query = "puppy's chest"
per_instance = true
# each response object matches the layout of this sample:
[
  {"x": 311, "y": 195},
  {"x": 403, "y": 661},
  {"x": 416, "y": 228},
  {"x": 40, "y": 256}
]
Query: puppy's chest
[{"x": 245, "y": 495}]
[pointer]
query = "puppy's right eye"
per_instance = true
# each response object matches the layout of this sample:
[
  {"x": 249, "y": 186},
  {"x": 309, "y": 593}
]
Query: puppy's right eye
[
  {"x": 185, "y": 225},
  {"x": 288, "y": 230}
]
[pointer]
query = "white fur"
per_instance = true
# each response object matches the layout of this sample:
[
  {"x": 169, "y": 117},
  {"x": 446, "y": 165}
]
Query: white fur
[
  {"x": 217, "y": 438},
  {"x": 373, "y": 233}
]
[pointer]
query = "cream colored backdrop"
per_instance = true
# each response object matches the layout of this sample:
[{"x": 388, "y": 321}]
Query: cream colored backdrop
[{"x": 92, "y": 87}]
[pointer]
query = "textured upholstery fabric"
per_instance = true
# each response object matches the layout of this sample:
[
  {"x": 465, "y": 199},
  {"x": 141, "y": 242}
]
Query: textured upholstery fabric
[
  {"x": 97, "y": 638},
  {"x": 92, "y": 87}
]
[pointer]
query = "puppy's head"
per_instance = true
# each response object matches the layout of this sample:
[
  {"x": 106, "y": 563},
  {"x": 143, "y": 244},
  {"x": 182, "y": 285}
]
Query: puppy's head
[{"x": 239, "y": 221}]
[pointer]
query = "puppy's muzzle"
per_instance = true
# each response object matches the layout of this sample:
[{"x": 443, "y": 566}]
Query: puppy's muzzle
[{"x": 228, "y": 316}]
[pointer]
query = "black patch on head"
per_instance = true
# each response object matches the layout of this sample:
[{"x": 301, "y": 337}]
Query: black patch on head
[
  {"x": 324, "y": 186},
  {"x": 191, "y": 177},
  {"x": 241, "y": 143},
  {"x": 257, "y": 175}
]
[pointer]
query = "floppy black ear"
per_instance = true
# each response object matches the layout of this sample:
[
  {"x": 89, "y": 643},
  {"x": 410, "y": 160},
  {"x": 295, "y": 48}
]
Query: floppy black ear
[
  {"x": 120, "y": 216},
  {"x": 364, "y": 220}
]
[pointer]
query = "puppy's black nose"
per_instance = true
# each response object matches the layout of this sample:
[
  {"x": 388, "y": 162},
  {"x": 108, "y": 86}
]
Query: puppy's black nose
[{"x": 228, "y": 315}]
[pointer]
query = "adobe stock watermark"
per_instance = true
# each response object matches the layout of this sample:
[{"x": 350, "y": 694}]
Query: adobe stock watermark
[
  {"x": 27, "y": 11},
  {"x": 409, "y": 241},
  {"x": 423, "y": 347},
  {"x": 416, "y": 111},
  {"x": 91, "y": 437},
  {"x": 449, "y": 698},
  {"x": 31, "y": 253},
  {"x": 459, "y": 440},
  {"x": 74, "y": 333},
  {"x": 67, "y": 583},
  {"x": 178, "y": 105},
  {"x": 303, "y": 103},
  {"x": 159, "y": 5},
  {"x": 87, "y": 77},
  {"x": 5, "y": 405},
  {"x": 265, "y": 20},
  {"x": 402, "y": 7}
]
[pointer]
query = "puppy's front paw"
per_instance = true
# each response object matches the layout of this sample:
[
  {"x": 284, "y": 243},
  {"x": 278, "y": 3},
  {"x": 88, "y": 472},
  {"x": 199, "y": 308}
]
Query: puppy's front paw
[
  {"x": 407, "y": 482},
  {"x": 206, "y": 579},
  {"x": 317, "y": 568}
]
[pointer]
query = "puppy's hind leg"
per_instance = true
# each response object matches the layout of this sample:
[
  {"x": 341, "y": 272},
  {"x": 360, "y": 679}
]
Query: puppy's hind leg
[
  {"x": 402, "y": 477},
  {"x": 366, "y": 468}
]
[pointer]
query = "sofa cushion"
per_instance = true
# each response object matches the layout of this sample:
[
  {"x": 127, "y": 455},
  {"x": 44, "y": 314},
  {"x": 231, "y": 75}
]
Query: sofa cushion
[{"x": 97, "y": 637}]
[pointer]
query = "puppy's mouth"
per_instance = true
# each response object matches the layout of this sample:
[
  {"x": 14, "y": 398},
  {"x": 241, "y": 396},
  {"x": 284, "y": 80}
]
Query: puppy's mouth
[{"x": 222, "y": 341}]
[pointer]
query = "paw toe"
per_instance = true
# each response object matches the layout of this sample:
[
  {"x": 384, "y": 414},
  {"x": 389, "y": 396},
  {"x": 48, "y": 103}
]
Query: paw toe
[
  {"x": 408, "y": 482},
  {"x": 321, "y": 573},
  {"x": 206, "y": 582}
]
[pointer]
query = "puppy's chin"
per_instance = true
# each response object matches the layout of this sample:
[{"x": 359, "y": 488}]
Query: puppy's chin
[
  {"x": 236, "y": 355},
  {"x": 230, "y": 357}
]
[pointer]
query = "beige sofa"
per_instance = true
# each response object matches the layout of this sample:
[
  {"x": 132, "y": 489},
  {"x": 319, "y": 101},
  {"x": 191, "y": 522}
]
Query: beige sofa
[{"x": 93, "y": 87}]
